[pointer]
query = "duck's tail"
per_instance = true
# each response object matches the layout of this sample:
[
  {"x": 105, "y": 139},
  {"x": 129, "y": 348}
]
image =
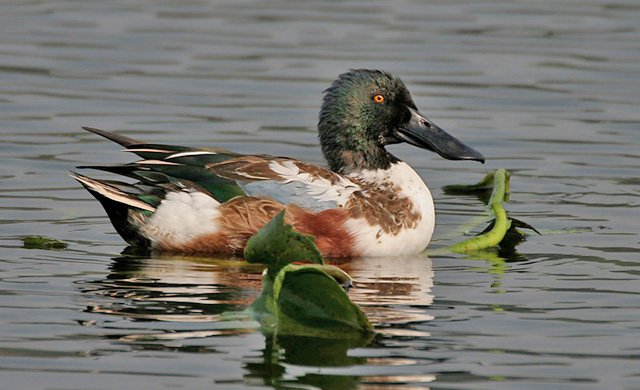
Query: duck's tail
[
  {"x": 115, "y": 137},
  {"x": 119, "y": 200}
]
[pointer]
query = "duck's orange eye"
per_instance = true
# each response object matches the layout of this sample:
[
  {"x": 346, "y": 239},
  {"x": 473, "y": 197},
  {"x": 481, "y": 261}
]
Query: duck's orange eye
[{"x": 378, "y": 99}]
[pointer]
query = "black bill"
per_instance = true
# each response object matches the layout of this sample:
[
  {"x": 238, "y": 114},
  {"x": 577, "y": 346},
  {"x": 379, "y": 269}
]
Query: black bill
[{"x": 421, "y": 132}]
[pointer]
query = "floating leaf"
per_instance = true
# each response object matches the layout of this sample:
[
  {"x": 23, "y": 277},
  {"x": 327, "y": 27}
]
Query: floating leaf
[
  {"x": 42, "y": 242},
  {"x": 263, "y": 309},
  {"x": 309, "y": 302}
]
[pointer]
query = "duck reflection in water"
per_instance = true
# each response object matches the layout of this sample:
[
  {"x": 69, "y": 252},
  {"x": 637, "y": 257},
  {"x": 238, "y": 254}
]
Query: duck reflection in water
[{"x": 193, "y": 301}]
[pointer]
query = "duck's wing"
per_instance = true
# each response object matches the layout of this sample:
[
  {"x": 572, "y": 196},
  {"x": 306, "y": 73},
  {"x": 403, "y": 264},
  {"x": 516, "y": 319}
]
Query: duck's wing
[
  {"x": 287, "y": 181},
  {"x": 225, "y": 175}
]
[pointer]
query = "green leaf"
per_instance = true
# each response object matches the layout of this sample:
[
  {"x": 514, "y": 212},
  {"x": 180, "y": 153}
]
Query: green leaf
[
  {"x": 267, "y": 310},
  {"x": 42, "y": 242},
  {"x": 301, "y": 299},
  {"x": 277, "y": 245},
  {"x": 309, "y": 302}
]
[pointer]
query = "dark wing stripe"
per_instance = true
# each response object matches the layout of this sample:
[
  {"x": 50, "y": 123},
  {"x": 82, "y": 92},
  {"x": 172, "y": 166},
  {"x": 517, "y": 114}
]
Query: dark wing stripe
[{"x": 220, "y": 188}]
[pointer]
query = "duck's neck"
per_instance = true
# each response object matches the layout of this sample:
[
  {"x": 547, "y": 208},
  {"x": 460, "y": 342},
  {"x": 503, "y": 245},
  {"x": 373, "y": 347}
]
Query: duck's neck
[
  {"x": 352, "y": 160},
  {"x": 349, "y": 147}
]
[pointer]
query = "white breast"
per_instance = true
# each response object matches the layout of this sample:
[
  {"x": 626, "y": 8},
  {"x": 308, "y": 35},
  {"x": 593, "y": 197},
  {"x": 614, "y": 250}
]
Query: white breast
[{"x": 372, "y": 240}]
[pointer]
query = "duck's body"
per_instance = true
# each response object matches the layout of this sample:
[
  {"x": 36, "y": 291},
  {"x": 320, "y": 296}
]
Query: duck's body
[{"x": 210, "y": 201}]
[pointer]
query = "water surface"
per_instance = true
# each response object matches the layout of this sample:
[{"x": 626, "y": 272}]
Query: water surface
[{"x": 549, "y": 90}]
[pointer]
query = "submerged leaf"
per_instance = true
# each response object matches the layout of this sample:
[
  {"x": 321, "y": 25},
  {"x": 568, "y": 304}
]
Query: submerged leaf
[
  {"x": 277, "y": 245},
  {"x": 42, "y": 242}
]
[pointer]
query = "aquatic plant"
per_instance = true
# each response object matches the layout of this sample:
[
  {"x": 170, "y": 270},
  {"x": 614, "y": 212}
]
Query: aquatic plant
[
  {"x": 503, "y": 229},
  {"x": 302, "y": 299}
]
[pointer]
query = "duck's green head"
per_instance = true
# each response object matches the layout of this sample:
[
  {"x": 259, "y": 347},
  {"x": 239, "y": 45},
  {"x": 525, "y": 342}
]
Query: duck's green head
[{"x": 365, "y": 110}]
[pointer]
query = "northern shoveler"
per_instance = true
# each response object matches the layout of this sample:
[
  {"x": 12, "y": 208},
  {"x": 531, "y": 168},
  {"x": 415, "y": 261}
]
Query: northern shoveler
[{"x": 210, "y": 201}]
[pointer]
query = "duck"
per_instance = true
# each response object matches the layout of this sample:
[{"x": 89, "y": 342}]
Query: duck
[{"x": 365, "y": 203}]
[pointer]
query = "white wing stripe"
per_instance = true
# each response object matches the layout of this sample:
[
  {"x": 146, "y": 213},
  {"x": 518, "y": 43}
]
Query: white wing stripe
[
  {"x": 146, "y": 150},
  {"x": 155, "y": 162},
  {"x": 190, "y": 153}
]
